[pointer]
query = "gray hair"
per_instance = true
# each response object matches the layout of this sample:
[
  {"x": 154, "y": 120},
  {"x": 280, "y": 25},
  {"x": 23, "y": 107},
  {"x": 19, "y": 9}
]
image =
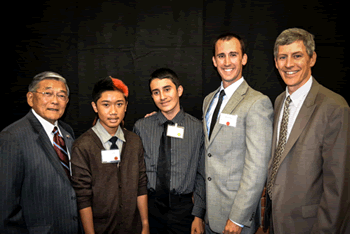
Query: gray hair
[
  {"x": 33, "y": 86},
  {"x": 291, "y": 35}
]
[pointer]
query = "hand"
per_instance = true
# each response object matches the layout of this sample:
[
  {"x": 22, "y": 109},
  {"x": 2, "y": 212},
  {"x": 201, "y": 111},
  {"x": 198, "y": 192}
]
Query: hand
[
  {"x": 150, "y": 114},
  {"x": 197, "y": 226},
  {"x": 232, "y": 228}
]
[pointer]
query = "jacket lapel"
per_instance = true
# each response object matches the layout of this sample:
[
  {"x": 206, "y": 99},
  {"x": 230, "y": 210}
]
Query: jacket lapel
[
  {"x": 302, "y": 119},
  {"x": 206, "y": 106},
  {"x": 44, "y": 142},
  {"x": 235, "y": 99},
  {"x": 278, "y": 107}
]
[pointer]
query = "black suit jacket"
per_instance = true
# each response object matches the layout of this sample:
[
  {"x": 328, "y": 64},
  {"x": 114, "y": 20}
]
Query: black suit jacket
[{"x": 36, "y": 196}]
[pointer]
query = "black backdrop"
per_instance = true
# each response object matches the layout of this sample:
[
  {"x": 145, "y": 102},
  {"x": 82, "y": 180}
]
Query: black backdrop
[{"x": 87, "y": 40}]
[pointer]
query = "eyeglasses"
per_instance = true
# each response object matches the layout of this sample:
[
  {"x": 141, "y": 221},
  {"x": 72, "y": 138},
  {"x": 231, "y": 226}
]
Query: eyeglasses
[{"x": 60, "y": 96}]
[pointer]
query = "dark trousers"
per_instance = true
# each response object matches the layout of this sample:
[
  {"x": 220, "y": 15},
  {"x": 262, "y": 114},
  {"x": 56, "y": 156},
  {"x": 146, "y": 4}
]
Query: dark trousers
[
  {"x": 268, "y": 224},
  {"x": 175, "y": 218}
]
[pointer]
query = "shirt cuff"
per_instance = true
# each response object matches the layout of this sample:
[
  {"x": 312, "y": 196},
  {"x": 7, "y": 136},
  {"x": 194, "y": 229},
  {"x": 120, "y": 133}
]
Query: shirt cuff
[
  {"x": 237, "y": 223},
  {"x": 198, "y": 212}
]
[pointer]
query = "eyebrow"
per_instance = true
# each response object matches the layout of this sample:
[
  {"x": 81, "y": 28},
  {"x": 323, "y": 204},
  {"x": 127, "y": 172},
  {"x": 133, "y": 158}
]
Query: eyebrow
[{"x": 61, "y": 91}]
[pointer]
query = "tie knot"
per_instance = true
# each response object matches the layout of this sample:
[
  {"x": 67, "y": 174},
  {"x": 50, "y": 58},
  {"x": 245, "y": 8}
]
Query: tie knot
[
  {"x": 222, "y": 93},
  {"x": 113, "y": 140},
  {"x": 55, "y": 130},
  {"x": 168, "y": 122},
  {"x": 288, "y": 101}
]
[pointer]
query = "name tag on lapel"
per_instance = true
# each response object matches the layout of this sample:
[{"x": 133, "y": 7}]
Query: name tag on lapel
[{"x": 228, "y": 120}]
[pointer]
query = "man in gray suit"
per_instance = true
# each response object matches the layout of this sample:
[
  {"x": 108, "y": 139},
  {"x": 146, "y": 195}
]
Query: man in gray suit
[
  {"x": 238, "y": 123},
  {"x": 309, "y": 173},
  {"x": 36, "y": 195}
]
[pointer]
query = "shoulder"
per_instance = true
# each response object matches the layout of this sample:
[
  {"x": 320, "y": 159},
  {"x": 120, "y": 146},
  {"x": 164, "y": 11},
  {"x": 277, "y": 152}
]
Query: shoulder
[
  {"x": 131, "y": 136},
  {"x": 193, "y": 120},
  {"x": 86, "y": 139},
  {"x": 255, "y": 98},
  {"x": 146, "y": 123},
  {"x": 18, "y": 127},
  {"x": 331, "y": 98},
  {"x": 66, "y": 127}
]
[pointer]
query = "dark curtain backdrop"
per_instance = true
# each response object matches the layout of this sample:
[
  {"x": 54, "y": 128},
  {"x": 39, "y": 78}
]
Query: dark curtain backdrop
[{"x": 87, "y": 40}]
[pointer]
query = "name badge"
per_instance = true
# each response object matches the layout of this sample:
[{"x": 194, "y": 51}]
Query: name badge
[
  {"x": 175, "y": 131},
  {"x": 110, "y": 156},
  {"x": 228, "y": 120}
]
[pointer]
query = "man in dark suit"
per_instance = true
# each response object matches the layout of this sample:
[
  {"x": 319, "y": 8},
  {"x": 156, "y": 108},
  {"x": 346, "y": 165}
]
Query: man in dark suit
[
  {"x": 309, "y": 172},
  {"x": 37, "y": 196}
]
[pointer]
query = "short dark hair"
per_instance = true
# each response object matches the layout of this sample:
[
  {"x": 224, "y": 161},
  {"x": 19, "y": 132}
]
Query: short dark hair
[
  {"x": 228, "y": 36},
  {"x": 165, "y": 73},
  {"x": 107, "y": 84}
]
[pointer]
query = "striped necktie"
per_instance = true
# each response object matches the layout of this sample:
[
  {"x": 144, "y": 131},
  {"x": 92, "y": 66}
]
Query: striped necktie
[{"x": 61, "y": 150}]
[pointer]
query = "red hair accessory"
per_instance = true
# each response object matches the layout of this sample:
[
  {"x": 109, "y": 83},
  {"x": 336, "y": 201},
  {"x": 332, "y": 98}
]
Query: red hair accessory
[{"x": 120, "y": 85}]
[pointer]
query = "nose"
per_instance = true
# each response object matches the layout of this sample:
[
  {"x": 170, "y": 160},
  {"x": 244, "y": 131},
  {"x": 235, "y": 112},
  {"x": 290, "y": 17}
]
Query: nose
[
  {"x": 227, "y": 61},
  {"x": 54, "y": 98},
  {"x": 162, "y": 95},
  {"x": 290, "y": 62},
  {"x": 113, "y": 110}
]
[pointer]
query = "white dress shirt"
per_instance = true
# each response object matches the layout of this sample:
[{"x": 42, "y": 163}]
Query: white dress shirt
[
  {"x": 104, "y": 136},
  {"x": 229, "y": 91},
  {"x": 48, "y": 127},
  {"x": 298, "y": 98}
]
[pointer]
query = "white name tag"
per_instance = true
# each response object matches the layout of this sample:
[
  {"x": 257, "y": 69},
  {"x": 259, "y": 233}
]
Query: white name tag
[
  {"x": 175, "y": 131},
  {"x": 110, "y": 156},
  {"x": 228, "y": 120}
]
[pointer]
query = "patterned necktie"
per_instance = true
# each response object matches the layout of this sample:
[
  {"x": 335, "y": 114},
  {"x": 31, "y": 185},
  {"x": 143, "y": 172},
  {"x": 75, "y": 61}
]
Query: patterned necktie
[
  {"x": 114, "y": 140},
  {"x": 216, "y": 112},
  {"x": 280, "y": 147},
  {"x": 61, "y": 150}
]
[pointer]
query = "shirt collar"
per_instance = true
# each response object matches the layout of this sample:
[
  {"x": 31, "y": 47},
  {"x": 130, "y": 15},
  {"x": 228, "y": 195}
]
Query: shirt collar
[
  {"x": 48, "y": 127},
  {"x": 104, "y": 135},
  {"x": 177, "y": 119},
  {"x": 298, "y": 95},
  {"x": 229, "y": 91}
]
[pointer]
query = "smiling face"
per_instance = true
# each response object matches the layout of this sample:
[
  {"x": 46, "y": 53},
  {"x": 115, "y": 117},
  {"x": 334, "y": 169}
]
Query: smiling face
[
  {"x": 294, "y": 64},
  {"x": 166, "y": 96},
  {"x": 229, "y": 60},
  {"x": 111, "y": 108},
  {"x": 49, "y": 108}
]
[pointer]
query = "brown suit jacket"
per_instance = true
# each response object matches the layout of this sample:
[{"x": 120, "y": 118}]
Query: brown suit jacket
[{"x": 312, "y": 187}]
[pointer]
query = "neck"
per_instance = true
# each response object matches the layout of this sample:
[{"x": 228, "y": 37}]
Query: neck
[{"x": 172, "y": 114}]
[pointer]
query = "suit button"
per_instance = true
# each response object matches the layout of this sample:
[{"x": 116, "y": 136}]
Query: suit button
[
  {"x": 209, "y": 155},
  {"x": 209, "y": 178}
]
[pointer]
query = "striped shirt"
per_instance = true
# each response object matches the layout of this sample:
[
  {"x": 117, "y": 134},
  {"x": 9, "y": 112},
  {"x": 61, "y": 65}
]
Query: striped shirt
[{"x": 187, "y": 155}]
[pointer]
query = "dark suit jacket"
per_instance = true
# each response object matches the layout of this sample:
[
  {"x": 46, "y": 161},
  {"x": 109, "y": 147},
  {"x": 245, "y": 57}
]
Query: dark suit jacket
[
  {"x": 36, "y": 195},
  {"x": 312, "y": 187}
]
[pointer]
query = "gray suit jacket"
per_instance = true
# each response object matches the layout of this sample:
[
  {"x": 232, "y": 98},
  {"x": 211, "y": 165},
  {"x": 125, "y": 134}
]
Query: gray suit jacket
[
  {"x": 36, "y": 195},
  {"x": 237, "y": 159},
  {"x": 312, "y": 187}
]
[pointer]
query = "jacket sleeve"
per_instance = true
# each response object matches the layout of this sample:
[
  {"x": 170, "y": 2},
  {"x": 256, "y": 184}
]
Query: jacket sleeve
[
  {"x": 12, "y": 176},
  {"x": 258, "y": 139}
]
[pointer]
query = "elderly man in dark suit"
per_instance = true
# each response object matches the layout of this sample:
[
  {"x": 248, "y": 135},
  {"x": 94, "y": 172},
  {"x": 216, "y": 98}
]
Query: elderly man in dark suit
[
  {"x": 309, "y": 174},
  {"x": 37, "y": 196}
]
